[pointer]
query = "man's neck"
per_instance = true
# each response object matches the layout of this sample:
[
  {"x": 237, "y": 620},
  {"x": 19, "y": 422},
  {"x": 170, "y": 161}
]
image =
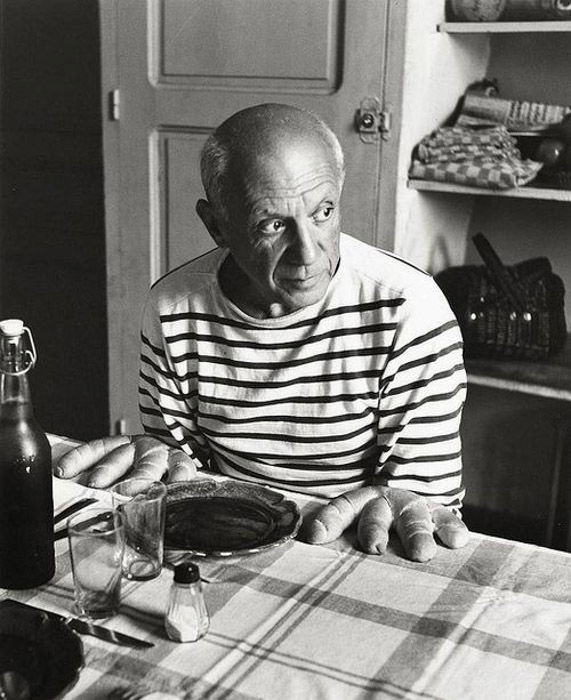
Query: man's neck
[{"x": 238, "y": 289}]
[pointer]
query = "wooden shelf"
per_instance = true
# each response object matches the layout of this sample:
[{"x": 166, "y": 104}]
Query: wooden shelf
[
  {"x": 503, "y": 27},
  {"x": 547, "y": 378},
  {"x": 552, "y": 195}
]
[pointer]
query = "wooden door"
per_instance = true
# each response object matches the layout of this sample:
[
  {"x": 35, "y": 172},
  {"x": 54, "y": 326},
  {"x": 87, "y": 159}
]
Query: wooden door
[{"x": 174, "y": 69}]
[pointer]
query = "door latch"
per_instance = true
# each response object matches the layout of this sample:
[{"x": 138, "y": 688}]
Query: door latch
[{"x": 371, "y": 121}]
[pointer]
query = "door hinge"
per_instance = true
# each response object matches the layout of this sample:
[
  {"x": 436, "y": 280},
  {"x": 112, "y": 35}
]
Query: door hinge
[
  {"x": 114, "y": 105},
  {"x": 372, "y": 121}
]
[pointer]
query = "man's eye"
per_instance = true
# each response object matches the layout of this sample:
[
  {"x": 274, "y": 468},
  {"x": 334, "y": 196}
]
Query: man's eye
[
  {"x": 323, "y": 214},
  {"x": 272, "y": 226}
]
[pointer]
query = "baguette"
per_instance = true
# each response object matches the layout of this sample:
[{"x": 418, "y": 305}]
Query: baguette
[
  {"x": 374, "y": 525},
  {"x": 113, "y": 466},
  {"x": 378, "y": 508},
  {"x": 450, "y": 529},
  {"x": 180, "y": 465},
  {"x": 331, "y": 520},
  {"x": 413, "y": 523},
  {"x": 87, "y": 455},
  {"x": 151, "y": 458}
]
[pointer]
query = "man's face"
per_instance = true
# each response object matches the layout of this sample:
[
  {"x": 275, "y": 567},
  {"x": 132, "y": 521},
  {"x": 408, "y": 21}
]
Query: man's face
[{"x": 282, "y": 225}]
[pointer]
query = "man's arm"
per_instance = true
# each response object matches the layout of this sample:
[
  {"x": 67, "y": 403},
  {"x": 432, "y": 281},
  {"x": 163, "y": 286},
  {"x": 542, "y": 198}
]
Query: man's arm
[
  {"x": 418, "y": 485},
  {"x": 421, "y": 401},
  {"x": 168, "y": 446}
]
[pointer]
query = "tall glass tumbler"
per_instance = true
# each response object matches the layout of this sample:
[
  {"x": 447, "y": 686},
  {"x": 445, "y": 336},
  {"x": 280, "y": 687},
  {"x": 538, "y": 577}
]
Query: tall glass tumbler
[
  {"x": 142, "y": 505},
  {"x": 96, "y": 544}
]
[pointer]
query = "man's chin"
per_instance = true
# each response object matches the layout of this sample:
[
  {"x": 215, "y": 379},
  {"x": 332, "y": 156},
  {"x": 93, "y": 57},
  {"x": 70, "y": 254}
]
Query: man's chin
[{"x": 297, "y": 299}]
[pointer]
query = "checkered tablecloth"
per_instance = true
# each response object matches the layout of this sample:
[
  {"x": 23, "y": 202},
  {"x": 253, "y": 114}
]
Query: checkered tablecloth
[{"x": 492, "y": 620}]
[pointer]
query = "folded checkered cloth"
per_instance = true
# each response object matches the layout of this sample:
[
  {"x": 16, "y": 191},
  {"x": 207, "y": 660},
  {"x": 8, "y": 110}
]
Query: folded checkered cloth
[{"x": 476, "y": 157}]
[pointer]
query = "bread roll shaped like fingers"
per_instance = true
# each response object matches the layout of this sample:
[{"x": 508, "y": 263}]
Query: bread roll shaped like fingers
[
  {"x": 449, "y": 528},
  {"x": 151, "y": 458},
  {"x": 414, "y": 526},
  {"x": 87, "y": 455},
  {"x": 331, "y": 520},
  {"x": 181, "y": 466},
  {"x": 113, "y": 466},
  {"x": 374, "y": 524}
]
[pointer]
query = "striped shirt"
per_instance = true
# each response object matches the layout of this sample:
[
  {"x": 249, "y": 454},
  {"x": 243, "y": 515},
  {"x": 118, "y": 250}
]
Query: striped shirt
[{"x": 365, "y": 386}]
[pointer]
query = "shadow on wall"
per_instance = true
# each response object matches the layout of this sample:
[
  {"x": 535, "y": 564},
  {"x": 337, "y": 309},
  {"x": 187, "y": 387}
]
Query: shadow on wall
[{"x": 52, "y": 262}]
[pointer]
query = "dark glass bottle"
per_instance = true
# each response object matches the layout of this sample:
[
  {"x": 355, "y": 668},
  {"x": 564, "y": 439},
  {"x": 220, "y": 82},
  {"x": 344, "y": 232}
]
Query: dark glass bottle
[{"x": 26, "y": 498}]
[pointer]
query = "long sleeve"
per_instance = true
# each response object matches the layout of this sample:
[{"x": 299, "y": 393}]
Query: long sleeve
[
  {"x": 421, "y": 400},
  {"x": 167, "y": 406}
]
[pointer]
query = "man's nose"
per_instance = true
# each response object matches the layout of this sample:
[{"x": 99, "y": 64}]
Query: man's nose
[{"x": 304, "y": 244}]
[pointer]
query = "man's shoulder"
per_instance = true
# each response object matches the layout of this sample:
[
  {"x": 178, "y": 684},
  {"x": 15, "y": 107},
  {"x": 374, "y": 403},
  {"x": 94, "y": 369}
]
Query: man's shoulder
[
  {"x": 390, "y": 272},
  {"x": 188, "y": 280}
]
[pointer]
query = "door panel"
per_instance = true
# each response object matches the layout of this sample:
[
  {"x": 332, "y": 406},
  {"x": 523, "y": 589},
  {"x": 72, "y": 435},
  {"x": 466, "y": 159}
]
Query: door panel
[
  {"x": 182, "y": 67},
  {"x": 233, "y": 44},
  {"x": 178, "y": 187}
]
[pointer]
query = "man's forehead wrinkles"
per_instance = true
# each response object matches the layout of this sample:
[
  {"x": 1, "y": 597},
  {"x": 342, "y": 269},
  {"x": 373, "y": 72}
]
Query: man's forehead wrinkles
[{"x": 295, "y": 187}]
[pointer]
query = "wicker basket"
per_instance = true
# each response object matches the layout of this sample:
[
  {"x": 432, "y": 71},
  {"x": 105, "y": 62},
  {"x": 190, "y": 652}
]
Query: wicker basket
[{"x": 514, "y": 312}]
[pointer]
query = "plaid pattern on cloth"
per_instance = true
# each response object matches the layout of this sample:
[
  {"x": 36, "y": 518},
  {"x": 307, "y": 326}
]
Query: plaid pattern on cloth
[
  {"x": 476, "y": 157},
  {"x": 299, "y": 621}
]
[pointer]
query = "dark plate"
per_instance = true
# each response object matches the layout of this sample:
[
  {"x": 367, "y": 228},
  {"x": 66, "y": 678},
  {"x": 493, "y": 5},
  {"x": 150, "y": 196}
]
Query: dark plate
[
  {"x": 209, "y": 518},
  {"x": 42, "y": 651}
]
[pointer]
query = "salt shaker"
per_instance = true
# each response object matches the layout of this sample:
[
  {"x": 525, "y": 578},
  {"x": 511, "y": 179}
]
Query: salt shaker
[{"x": 186, "y": 619}]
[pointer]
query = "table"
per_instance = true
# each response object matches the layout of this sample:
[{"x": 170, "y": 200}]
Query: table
[{"x": 299, "y": 621}]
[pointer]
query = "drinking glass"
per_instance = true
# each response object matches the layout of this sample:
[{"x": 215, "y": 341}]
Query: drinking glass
[
  {"x": 96, "y": 544},
  {"x": 142, "y": 505}
]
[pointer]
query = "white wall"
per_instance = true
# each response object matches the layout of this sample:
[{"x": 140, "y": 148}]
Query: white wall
[{"x": 431, "y": 230}]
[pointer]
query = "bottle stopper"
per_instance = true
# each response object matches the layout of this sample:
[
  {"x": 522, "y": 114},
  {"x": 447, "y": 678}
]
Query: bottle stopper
[{"x": 12, "y": 327}]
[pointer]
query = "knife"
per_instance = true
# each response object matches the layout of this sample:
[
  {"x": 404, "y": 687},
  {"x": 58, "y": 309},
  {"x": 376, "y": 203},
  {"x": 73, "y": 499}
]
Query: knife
[
  {"x": 100, "y": 517},
  {"x": 73, "y": 508},
  {"x": 84, "y": 626}
]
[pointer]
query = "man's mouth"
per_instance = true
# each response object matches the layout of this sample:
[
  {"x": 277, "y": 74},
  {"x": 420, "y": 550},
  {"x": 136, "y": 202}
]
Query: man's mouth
[{"x": 302, "y": 282}]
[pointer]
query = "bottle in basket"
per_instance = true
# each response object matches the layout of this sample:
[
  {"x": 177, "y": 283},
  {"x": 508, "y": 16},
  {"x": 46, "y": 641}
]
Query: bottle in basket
[{"x": 26, "y": 499}]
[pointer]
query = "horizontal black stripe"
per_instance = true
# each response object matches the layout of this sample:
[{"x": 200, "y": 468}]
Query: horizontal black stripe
[
  {"x": 286, "y": 418},
  {"x": 426, "y": 479},
  {"x": 154, "y": 348},
  {"x": 430, "y": 335},
  {"x": 319, "y": 380},
  {"x": 157, "y": 432},
  {"x": 194, "y": 441},
  {"x": 301, "y": 342},
  {"x": 166, "y": 373},
  {"x": 438, "y": 418},
  {"x": 429, "y": 440},
  {"x": 421, "y": 459},
  {"x": 367, "y": 462},
  {"x": 427, "y": 399},
  {"x": 337, "y": 311},
  {"x": 384, "y": 478},
  {"x": 162, "y": 390},
  {"x": 187, "y": 398},
  {"x": 333, "y": 398},
  {"x": 224, "y": 361},
  {"x": 427, "y": 359},
  {"x": 357, "y": 478},
  {"x": 285, "y": 437},
  {"x": 421, "y": 383},
  {"x": 311, "y": 457},
  {"x": 169, "y": 413},
  {"x": 150, "y": 411}
]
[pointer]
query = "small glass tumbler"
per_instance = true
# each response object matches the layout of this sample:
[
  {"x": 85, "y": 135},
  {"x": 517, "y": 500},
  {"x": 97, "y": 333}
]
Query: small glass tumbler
[
  {"x": 96, "y": 546},
  {"x": 142, "y": 505}
]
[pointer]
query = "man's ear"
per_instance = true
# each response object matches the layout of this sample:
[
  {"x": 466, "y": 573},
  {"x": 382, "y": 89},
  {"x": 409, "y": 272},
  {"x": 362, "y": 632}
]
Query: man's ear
[{"x": 206, "y": 212}]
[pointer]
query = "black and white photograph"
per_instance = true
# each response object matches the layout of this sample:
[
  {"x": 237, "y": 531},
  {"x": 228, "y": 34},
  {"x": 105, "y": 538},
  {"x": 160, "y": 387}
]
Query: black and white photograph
[{"x": 285, "y": 370}]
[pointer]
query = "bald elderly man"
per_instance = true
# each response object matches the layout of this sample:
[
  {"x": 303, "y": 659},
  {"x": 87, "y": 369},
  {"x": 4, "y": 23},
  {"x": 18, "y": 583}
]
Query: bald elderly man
[{"x": 297, "y": 356}]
